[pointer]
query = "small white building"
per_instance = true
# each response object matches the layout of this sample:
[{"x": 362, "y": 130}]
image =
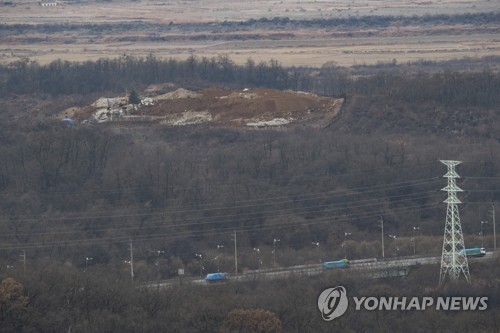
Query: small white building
[{"x": 48, "y": 4}]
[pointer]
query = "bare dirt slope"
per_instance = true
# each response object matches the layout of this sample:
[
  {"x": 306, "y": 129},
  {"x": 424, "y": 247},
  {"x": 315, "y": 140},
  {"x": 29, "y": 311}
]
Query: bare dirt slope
[{"x": 252, "y": 108}]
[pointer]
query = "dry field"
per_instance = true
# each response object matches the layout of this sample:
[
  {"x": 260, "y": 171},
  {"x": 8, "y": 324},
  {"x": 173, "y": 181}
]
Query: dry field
[
  {"x": 220, "y": 10},
  {"x": 300, "y": 47}
]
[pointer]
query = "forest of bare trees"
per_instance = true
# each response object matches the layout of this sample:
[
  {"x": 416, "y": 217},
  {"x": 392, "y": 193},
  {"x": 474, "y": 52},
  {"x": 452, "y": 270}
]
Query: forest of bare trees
[
  {"x": 400, "y": 83},
  {"x": 74, "y": 193}
]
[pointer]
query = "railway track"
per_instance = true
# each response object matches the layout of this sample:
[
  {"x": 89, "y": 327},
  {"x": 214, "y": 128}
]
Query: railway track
[{"x": 369, "y": 266}]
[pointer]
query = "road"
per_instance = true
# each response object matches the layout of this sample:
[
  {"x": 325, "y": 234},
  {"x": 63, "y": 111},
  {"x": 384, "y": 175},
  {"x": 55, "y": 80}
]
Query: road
[{"x": 362, "y": 265}]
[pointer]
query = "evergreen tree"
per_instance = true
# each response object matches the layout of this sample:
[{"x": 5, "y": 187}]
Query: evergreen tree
[{"x": 133, "y": 98}]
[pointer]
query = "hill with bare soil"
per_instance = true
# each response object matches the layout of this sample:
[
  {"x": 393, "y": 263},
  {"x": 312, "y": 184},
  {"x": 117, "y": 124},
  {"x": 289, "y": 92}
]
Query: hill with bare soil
[{"x": 219, "y": 107}]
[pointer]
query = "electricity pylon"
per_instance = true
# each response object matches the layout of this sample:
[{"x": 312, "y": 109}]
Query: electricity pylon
[{"x": 453, "y": 259}]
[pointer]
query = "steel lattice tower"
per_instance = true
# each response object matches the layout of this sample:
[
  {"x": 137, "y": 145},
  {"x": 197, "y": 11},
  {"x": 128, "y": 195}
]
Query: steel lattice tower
[{"x": 453, "y": 260}]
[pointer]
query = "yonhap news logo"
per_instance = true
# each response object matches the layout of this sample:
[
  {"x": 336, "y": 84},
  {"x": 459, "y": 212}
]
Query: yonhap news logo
[{"x": 333, "y": 303}]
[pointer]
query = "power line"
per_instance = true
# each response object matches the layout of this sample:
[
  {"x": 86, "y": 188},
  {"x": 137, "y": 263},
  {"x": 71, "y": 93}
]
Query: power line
[
  {"x": 146, "y": 237},
  {"x": 230, "y": 218},
  {"x": 150, "y": 189},
  {"x": 217, "y": 231},
  {"x": 142, "y": 190},
  {"x": 267, "y": 201}
]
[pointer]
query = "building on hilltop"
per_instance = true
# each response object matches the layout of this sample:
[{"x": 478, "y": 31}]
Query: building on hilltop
[{"x": 48, "y": 3}]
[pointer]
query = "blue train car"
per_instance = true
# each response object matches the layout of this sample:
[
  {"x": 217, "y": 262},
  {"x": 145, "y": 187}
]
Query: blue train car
[
  {"x": 217, "y": 277},
  {"x": 474, "y": 252},
  {"x": 335, "y": 264}
]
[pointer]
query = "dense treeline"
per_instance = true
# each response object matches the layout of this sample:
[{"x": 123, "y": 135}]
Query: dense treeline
[
  {"x": 62, "y": 77},
  {"x": 118, "y": 75},
  {"x": 374, "y": 21},
  {"x": 263, "y": 23}
]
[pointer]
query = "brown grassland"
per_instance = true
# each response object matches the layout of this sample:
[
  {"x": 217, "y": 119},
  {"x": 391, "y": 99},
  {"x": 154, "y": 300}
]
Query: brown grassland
[{"x": 291, "y": 45}]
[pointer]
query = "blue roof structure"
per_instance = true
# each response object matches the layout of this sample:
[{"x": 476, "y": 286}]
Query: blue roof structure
[
  {"x": 69, "y": 121},
  {"x": 216, "y": 277}
]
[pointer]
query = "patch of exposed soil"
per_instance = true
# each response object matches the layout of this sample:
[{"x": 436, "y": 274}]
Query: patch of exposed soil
[{"x": 252, "y": 108}]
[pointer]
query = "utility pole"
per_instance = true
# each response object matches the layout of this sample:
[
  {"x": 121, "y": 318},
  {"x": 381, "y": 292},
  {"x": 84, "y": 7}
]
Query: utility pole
[
  {"x": 482, "y": 233},
  {"x": 199, "y": 255},
  {"x": 158, "y": 264},
  {"x": 131, "y": 262},
  {"x": 494, "y": 228},
  {"x": 235, "y": 252},
  {"x": 344, "y": 244},
  {"x": 382, "y": 226},
  {"x": 274, "y": 250},
  {"x": 415, "y": 240},
  {"x": 87, "y": 259},
  {"x": 23, "y": 256},
  {"x": 257, "y": 250},
  {"x": 220, "y": 246}
]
